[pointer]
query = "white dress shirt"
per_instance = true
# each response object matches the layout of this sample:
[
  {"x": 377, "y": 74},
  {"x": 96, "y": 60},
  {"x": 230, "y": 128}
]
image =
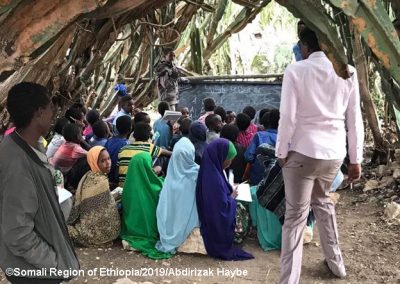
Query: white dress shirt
[
  {"x": 119, "y": 114},
  {"x": 317, "y": 107}
]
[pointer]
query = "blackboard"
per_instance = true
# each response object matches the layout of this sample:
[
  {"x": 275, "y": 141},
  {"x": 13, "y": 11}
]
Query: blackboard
[{"x": 230, "y": 95}]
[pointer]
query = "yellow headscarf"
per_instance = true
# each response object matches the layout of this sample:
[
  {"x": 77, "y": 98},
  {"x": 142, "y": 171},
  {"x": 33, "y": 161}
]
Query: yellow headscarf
[{"x": 93, "y": 158}]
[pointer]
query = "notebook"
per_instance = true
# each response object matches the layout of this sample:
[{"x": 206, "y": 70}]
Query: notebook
[
  {"x": 172, "y": 116},
  {"x": 244, "y": 193}
]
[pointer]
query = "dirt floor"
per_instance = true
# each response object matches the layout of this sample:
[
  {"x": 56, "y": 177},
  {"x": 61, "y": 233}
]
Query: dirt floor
[{"x": 370, "y": 245}]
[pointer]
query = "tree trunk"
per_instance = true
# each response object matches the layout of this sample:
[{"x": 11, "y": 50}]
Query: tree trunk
[
  {"x": 42, "y": 69},
  {"x": 246, "y": 16},
  {"x": 117, "y": 8},
  {"x": 33, "y": 24},
  {"x": 368, "y": 104}
]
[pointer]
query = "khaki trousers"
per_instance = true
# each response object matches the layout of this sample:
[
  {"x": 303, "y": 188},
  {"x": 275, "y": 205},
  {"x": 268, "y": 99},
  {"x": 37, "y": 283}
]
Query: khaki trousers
[{"x": 308, "y": 181}]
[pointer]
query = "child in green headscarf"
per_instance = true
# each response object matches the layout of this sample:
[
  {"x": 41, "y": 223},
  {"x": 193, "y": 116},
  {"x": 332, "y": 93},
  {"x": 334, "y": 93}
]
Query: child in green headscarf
[{"x": 140, "y": 196}]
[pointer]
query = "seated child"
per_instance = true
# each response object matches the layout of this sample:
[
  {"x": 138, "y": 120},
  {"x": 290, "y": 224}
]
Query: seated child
[
  {"x": 184, "y": 127},
  {"x": 101, "y": 132},
  {"x": 69, "y": 152},
  {"x": 142, "y": 135},
  {"x": 114, "y": 144},
  {"x": 162, "y": 128},
  {"x": 214, "y": 125},
  {"x": 245, "y": 135},
  {"x": 91, "y": 117},
  {"x": 270, "y": 122},
  {"x": 57, "y": 139}
]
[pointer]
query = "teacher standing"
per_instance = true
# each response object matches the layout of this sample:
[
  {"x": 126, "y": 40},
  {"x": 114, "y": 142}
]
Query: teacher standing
[
  {"x": 168, "y": 78},
  {"x": 317, "y": 107}
]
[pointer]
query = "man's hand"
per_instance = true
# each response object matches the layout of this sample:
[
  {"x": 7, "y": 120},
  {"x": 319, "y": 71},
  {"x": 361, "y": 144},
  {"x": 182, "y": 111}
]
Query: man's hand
[
  {"x": 282, "y": 162},
  {"x": 354, "y": 172}
]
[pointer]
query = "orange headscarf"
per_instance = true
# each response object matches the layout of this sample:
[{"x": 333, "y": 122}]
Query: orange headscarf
[{"x": 93, "y": 158}]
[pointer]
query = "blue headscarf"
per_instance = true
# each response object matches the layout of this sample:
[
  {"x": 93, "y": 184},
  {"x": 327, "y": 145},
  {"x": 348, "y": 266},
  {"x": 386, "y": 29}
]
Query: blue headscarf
[
  {"x": 216, "y": 207},
  {"x": 176, "y": 211}
]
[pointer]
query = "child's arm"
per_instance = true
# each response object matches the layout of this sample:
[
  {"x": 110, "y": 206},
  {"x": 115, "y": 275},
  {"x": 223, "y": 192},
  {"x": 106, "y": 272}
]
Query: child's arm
[
  {"x": 250, "y": 153},
  {"x": 165, "y": 152}
]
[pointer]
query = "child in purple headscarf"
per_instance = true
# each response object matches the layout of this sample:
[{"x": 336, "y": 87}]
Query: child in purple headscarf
[{"x": 216, "y": 202}]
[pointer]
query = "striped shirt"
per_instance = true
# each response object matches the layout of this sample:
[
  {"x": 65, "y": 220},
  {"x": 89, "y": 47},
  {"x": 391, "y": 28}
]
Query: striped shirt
[
  {"x": 253, "y": 128},
  {"x": 245, "y": 137},
  {"x": 127, "y": 152}
]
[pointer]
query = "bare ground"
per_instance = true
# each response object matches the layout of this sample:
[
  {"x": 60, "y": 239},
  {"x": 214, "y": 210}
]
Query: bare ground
[{"x": 370, "y": 245}]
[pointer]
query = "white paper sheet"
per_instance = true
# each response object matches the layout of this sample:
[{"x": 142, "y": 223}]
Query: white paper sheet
[
  {"x": 244, "y": 193},
  {"x": 117, "y": 193},
  {"x": 231, "y": 178},
  {"x": 63, "y": 194}
]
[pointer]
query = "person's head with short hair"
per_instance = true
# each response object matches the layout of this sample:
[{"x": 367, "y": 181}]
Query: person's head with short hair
[
  {"x": 72, "y": 133},
  {"x": 265, "y": 121},
  {"x": 76, "y": 116},
  {"x": 124, "y": 125},
  {"x": 142, "y": 132},
  {"x": 127, "y": 104},
  {"x": 221, "y": 112},
  {"x": 261, "y": 114},
  {"x": 308, "y": 43},
  {"x": 163, "y": 107},
  {"x": 230, "y": 117},
  {"x": 81, "y": 106},
  {"x": 214, "y": 123},
  {"x": 185, "y": 112},
  {"x": 29, "y": 105},
  {"x": 59, "y": 125},
  {"x": 142, "y": 117},
  {"x": 243, "y": 121},
  {"x": 184, "y": 126},
  {"x": 300, "y": 27},
  {"x": 169, "y": 55},
  {"x": 209, "y": 104},
  {"x": 270, "y": 120},
  {"x": 230, "y": 132},
  {"x": 92, "y": 116},
  {"x": 197, "y": 132},
  {"x": 137, "y": 110},
  {"x": 250, "y": 111},
  {"x": 101, "y": 130}
]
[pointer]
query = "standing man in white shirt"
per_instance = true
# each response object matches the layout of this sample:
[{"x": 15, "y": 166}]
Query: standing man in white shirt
[
  {"x": 127, "y": 105},
  {"x": 317, "y": 107}
]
